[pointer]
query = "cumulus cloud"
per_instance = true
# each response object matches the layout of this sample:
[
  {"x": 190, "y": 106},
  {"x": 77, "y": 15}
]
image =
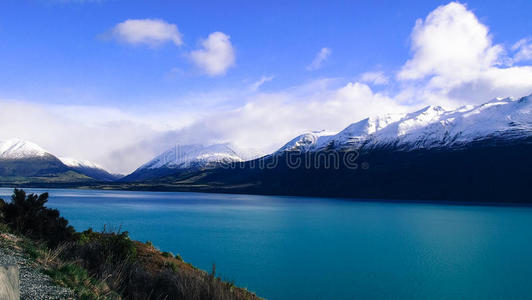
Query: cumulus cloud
[
  {"x": 216, "y": 55},
  {"x": 319, "y": 59},
  {"x": 152, "y": 32},
  {"x": 455, "y": 61},
  {"x": 450, "y": 41},
  {"x": 375, "y": 78}
]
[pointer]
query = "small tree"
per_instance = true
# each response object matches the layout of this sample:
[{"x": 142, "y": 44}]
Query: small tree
[{"x": 27, "y": 215}]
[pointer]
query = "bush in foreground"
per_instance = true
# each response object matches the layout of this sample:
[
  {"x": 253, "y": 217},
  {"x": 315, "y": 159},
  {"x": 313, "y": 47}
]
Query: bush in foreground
[{"x": 27, "y": 215}]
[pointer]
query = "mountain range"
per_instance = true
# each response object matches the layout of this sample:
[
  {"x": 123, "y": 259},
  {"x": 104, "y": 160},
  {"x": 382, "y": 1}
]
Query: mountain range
[
  {"x": 429, "y": 128},
  {"x": 26, "y": 162},
  {"x": 473, "y": 152},
  {"x": 186, "y": 158}
]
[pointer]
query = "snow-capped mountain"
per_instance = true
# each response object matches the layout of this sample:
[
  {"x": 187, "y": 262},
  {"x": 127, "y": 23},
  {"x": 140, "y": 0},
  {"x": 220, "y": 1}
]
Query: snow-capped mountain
[
  {"x": 307, "y": 141},
  {"x": 76, "y": 163},
  {"x": 430, "y": 127},
  {"x": 192, "y": 157},
  {"x": 24, "y": 159},
  {"x": 501, "y": 127},
  {"x": 470, "y": 154},
  {"x": 186, "y": 156},
  {"x": 89, "y": 168},
  {"x": 19, "y": 149},
  {"x": 20, "y": 160}
]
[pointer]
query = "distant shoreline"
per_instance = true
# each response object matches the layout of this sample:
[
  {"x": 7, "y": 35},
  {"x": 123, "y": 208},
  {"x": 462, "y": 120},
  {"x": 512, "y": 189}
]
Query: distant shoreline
[{"x": 182, "y": 189}]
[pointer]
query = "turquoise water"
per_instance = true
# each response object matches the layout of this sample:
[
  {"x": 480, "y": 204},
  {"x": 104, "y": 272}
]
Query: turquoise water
[{"x": 312, "y": 248}]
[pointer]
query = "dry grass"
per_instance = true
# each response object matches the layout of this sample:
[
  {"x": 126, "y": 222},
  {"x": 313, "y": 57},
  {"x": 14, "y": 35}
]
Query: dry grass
[{"x": 50, "y": 257}]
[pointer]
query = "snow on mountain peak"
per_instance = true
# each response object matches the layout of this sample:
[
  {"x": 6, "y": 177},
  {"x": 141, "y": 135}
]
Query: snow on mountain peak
[
  {"x": 307, "y": 141},
  {"x": 76, "y": 163},
  {"x": 18, "y": 149},
  {"x": 429, "y": 127},
  {"x": 185, "y": 156}
]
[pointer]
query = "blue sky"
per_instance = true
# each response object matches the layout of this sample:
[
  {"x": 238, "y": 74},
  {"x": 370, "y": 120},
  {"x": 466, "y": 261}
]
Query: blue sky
[
  {"x": 69, "y": 59},
  {"x": 54, "y": 51}
]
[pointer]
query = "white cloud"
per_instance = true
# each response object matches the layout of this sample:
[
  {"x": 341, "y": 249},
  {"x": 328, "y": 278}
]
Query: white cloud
[
  {"x": 152, "y": 32},
  {"x": 268, "y": 120},
  {"x": 216, "y": 56},
  {"x": 319, "y": 59},
  {"x": 523, "y": 49},
  {"x": 121, "y": 141},
  {"x": 450, "y": 41},
  {"x": 89, "y": 132},
  {"x": 375, "y": 78},
  {"x": 257, "y": 84},
  {"x": 455, "y": 61}
]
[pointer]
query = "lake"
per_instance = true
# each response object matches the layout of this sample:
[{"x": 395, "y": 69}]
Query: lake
[{"x": 316, "y": 248}]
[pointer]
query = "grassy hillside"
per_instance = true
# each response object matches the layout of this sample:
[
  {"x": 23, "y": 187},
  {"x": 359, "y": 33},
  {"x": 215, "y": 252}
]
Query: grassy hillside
[
  {"x": 47, "y": 169},
  {"x": 31, "y": 167},
  {"x": 64, "y": 177}
]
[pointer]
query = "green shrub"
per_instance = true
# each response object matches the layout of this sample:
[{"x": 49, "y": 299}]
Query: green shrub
[
  {"x": 4, "y": 228},
  {"x": 108, "y": 256},
  {"x": 32, "y": 249},
  {"x": 173, "y": 266},
  {"x": 167, "y": 254},
  {"x": 86, "y": 236},
  {"x": 178, "y": 257},
  {"x": 27, "y": 215},
  {"x": 78, "y": 279},
  {"x": 104, "y": 248}
]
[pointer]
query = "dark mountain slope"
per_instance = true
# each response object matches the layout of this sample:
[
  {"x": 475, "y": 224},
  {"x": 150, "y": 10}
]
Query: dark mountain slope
[
  {"x": 485, "y": 171},
  {"x": 46, "y": 168}
]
